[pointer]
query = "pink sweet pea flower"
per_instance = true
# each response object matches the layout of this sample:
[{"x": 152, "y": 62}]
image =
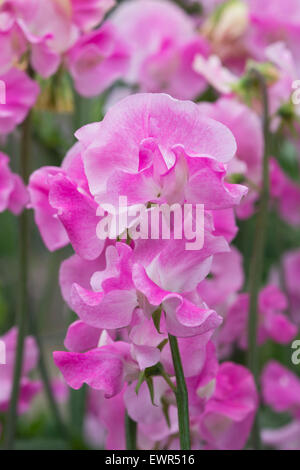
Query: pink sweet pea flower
[
  {"x": 276, "y": 19},
  {"x": 286, "y": 194},
  {"x": 163, "y": 44},
  {"x": 29, "y": 388},
  {"x": 225, "y": 224},
  {"x": 12, "y": 42},
  {"x": 227, "y": 278},
  {"x": 291, "y": 266},
  {"x": 215, "y": 73},
  {"x": 97, "y": 60},
  {"x": 79, "y": 271},
  {"x": 113, "y": 299},
  {"x": 53, "y": 19},
  {"x": 179, "y": 156},
  {"x": 201, "y": 387},
  {"x": 285, "y": 438},
  {"x": 82, "y": 337},
  {"x": 242, "y": 122},
  {"x": 280, "y": 92},
  {"x": 88, "y": 13},
  {"x": 64, "y": 209},
  {"x": 44, "y": 60},
  {"x": 21, "y": 94},
  {"x": 44, "y": 27},
  {"x": 280, "y": 388},
  {"x": 145, "y": 340},
  {"x": 228, "y": 415},
  {"x": 13, "y": 194},
  {"x": 170, "y": 280},
  {"x": 276, "y": 22},
  {"x": 194, "y": 354},
  {"x": 104, "y": 368},
  {"x": 48, "y": 28},
  {"x": 152, "y": 422},
  {"x": 51, "y": 229},
  {"x": 105, "y": 418},
  {"x": 273, "y": 324}
]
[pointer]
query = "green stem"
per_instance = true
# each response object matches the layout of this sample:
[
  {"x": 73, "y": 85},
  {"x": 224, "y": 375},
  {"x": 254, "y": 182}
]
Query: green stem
[
  {"x": 25, "y": 310},
  {"x": 77, "y": 409},
  {"x": 256, "y": 265},
  {"x": 23, "y": 300},
  {"x": 46, "y": 380},
  {"x": 131, "y": 430},
  {"x": 181, "y": 396}
]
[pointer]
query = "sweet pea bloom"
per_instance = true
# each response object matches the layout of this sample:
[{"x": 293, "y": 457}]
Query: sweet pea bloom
[
  {"x": 150, "y": 415},
  {"x": 272, "y": 322},
  {"x": 276, "y": 20},
  {"x": 61, "y": 201},
  {"x": 229, "y": 414},
  {"x": 97, "y": 60},
  {"x": 281, "y": 388},
  {"x": 125, "y": 284},
  {"x": 247, "y": 163},
  {"x": 243, "y": 122},
  {"x": 291, "y": 268},
  {"x": 47, "y": 28},
  {"x": 176, "y": 154},
  {"x": 226, "y": 279},
  {"x": 284, "y": 438},
  {"x": 104, "y": 368},
  {"x": 223, "y": 402},
  {"x": 29, "y": 388},
  {"x": 163, "y": 44},
  {"x": 13, "y": 194},
  {"x": 20, "y": 95},
  {"x": 104, "y": 423},
  {"x": 285, "y": 193},
  {"x": 89, "y": 13},
  {"x": 12, "y": 42},
  {"x": 211, "y": 68}
]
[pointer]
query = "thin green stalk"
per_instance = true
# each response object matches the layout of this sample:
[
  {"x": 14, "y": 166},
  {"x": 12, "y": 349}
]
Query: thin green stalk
[
  {"x": 130, "y": 431},
  {"x": 256, "y": 265},
  {"x": 25, "y": 310},
  {"x": 78, "y": 399},
  {"x": 23, "y": 300},
  {"x": 181, "y": 397},
  {"x": 46, "y": 380}
]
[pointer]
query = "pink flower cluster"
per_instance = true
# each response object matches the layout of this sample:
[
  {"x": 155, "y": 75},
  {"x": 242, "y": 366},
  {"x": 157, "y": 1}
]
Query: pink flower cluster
[
  {"x": 129, "y": 296},
  {"x": 43, "y": 35}
]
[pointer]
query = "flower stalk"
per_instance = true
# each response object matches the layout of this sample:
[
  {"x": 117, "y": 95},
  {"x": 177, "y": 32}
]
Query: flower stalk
[
  {"x": 26, "y": 317},
  {"x": 181, "y": 396},
  {"x": 256, "y": 266},
  {"x": 130, "y": 432},
  {"x": 23, "y": 300}
]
